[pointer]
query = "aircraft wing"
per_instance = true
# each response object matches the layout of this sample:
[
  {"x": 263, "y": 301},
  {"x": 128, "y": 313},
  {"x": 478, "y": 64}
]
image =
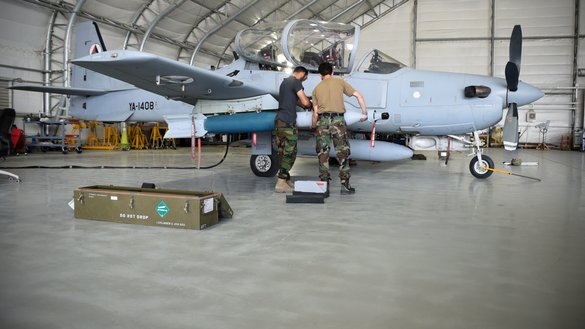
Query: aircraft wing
[
  {"x": 61, "y": 90},
  {"x": 167, "y": 77}
]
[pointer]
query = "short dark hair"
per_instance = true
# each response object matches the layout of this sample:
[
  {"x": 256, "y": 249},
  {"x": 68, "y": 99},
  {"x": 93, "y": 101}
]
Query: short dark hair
[
  {"x": 301, "y": 69},
  {"x": 325, "y": 69}
]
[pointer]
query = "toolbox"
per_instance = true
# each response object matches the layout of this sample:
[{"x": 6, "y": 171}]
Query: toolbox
[
  {"x": 149, "y": 206},
  {"x": 309, "y": 192}
]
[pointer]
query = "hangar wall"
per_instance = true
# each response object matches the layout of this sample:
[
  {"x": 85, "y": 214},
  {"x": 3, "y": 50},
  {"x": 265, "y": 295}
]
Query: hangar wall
[
  {"x": 456, "y": 36},
  {"x": 21, "y": 46}
]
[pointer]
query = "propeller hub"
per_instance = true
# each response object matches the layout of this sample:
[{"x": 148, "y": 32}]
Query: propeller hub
[{"x": 525, "y": 94}]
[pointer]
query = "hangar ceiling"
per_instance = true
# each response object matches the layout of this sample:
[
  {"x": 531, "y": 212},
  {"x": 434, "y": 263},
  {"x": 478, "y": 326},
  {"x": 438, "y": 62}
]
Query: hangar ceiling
[{"x": 209, "y": 26}]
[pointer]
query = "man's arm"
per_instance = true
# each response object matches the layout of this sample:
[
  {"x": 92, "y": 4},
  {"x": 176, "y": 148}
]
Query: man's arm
[
  {"x": 315, "y": 113},
  {"x": 360, "y": 99},
  {"x": 303, "y": 99}
]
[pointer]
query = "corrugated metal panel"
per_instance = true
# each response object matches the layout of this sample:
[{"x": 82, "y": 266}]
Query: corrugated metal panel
[
  {"x": 453, "y": 19},
  {"x": 4, "y": 94},
  {"x": 537, "y": 17},
  {"x": 470, "y": 57}
]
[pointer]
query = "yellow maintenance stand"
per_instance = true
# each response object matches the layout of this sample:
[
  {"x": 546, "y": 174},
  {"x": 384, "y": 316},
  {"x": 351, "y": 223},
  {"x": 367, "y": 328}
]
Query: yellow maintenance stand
[
  {"x": 138, "y": 140},
  {"x": 111, "y": 136},
  {"x": 156, "y": 140}
]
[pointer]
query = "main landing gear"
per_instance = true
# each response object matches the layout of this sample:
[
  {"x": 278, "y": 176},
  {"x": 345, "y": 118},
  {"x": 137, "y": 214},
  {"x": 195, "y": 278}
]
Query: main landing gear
[
  {"x": 264, "y": 160},
  {"x": 264, "y": 165}
]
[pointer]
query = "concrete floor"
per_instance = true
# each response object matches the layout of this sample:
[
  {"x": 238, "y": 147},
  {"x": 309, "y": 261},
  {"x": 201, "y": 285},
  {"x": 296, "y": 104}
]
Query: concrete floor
[{"x": 421, "y": 245}]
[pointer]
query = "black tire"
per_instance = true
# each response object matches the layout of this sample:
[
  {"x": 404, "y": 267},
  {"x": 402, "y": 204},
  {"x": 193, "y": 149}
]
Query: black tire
[
  {"x": 264, "y": 165},
  {"x": 78, "y": 149},
  {"x": 65, "y": 150},
  {"x": 477, "y": 171}
]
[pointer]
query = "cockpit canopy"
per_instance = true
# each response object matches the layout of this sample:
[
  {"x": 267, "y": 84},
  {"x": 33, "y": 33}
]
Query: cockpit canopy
[
  {"x": 300, "y": 43},
  {"x": 375, "y": 61}
]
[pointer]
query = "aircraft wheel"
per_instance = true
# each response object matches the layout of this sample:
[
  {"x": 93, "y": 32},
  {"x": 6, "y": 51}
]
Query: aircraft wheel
[
  {"x": 65, "y": 149},
  {"x": 477, "y": 171},
  {"x": 78, "y": 149},
  {"x": 264, "y": 165}
]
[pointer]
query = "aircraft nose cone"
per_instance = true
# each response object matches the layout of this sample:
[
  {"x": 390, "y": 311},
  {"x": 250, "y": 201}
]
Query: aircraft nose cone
[{"x": 526, "y": 94}]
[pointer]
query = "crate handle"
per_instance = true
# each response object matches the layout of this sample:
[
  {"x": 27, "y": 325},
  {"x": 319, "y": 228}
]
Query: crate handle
[
  {"x": 80, "y": 198},
  {"x": 131, "y": 205},
  {"x": 186, "y": 208}
]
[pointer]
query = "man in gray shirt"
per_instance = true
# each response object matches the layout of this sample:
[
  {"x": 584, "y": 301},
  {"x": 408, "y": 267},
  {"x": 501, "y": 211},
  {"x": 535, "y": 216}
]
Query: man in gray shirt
[{"x": 290, "y": 94}]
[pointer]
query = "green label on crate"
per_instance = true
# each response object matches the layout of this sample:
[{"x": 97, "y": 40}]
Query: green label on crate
[{"x": 162, "y": 209}]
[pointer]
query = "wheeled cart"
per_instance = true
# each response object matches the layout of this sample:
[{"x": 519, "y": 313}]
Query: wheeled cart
[{"x": 51, "y": 134}]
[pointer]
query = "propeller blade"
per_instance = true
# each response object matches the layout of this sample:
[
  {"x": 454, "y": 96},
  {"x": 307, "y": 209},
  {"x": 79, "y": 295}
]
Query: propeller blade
[
  {"x": 516, "y": 46},
  {"x": 512, "y": 76},
  {"x": 510, "y": 133},
  {"x": 513, "y": 66}
]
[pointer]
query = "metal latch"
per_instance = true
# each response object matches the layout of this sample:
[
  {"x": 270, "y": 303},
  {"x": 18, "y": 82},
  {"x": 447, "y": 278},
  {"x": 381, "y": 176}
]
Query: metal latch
[
  {"x": 186, "y": 208},
  {"x": 80, "y": 198},
  {"x": 131, "y": 205}
]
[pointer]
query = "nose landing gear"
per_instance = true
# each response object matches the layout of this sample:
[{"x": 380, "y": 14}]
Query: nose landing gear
[{"x": 479, "y": 162}]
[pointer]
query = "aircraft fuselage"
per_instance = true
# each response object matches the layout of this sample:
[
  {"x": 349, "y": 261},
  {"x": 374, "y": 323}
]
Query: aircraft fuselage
[{"x": 418, "y": 102}]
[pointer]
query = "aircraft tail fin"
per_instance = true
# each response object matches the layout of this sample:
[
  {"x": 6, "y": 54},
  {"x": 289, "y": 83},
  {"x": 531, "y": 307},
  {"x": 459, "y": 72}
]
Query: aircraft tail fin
[{"x": 88, "y": 41}]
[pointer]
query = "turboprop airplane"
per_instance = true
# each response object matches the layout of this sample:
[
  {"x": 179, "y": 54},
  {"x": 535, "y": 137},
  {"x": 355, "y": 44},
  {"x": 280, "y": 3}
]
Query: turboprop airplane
[{"x": 242, "y": 96}]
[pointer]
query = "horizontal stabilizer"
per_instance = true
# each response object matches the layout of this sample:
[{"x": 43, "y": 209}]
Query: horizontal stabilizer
[
  {"x": 167, "y": 77},
  {"x": 61, "y": 90}
]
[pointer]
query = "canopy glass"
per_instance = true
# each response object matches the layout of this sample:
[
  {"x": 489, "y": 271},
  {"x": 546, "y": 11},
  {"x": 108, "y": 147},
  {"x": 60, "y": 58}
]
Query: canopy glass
[
  {"x": 300, "y": 43},
  {"x": 375, "y": 61}
]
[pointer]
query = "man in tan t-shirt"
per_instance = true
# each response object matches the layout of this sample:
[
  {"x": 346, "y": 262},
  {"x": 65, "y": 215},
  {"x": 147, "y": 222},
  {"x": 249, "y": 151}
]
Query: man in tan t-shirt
[{"x": 328, "y": 110}]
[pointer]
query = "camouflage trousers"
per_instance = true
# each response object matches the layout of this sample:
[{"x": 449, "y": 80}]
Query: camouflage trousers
[
  {"x": 286, "y": 137},
  {"x": 332, "y": 129}
]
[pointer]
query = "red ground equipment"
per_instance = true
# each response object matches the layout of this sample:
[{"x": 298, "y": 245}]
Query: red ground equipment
[{"x": 18, "y": 145}]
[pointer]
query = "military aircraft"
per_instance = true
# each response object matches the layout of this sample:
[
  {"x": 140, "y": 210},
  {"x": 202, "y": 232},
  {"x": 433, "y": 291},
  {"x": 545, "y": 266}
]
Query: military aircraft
[{"x": 124, "y": 85}]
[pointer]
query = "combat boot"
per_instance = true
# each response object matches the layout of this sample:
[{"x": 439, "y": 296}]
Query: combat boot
[
  {"x": 290, "y": 183},
  {"x": 282, "y": 186},
  {"x": 346, "y": 188}
]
